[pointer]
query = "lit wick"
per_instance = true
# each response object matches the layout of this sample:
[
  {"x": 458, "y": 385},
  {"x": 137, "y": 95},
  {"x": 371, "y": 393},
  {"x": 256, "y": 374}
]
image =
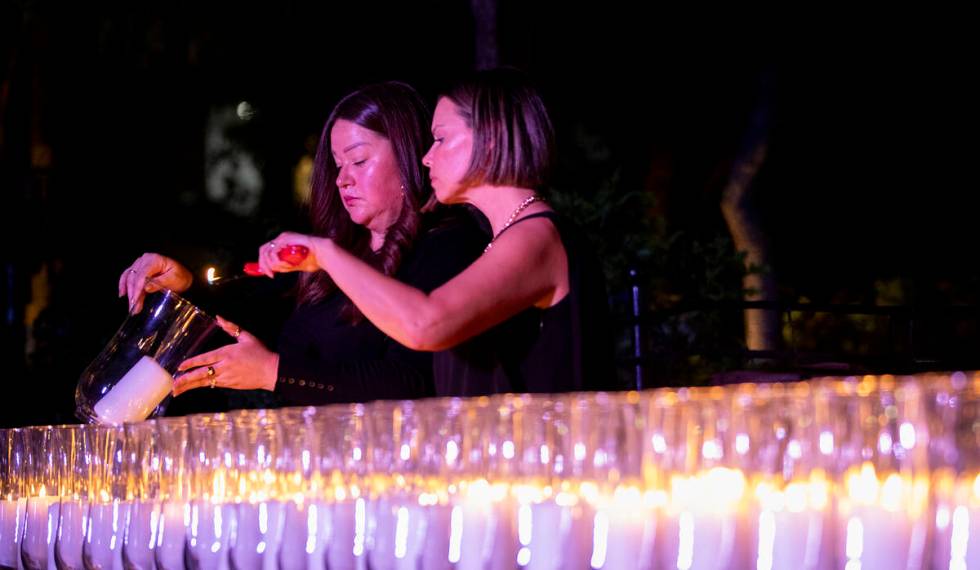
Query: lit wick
[{"x": 214, "y": 279}]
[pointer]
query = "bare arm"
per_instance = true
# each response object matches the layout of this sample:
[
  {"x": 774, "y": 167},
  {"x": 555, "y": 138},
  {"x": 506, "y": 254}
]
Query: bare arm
[{"x": 526, "y": 267}]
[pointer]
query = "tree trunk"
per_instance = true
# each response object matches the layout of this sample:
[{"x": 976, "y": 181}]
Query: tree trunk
[{"x": 762, "y": 326}]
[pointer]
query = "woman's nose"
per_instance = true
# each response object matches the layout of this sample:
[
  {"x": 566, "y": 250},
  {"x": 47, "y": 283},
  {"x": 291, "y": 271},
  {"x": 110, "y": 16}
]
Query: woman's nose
[{"x": 343, "y": 179}]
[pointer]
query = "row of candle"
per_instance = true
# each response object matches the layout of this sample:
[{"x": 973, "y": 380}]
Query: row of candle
[{"x": 870, "y": 472}]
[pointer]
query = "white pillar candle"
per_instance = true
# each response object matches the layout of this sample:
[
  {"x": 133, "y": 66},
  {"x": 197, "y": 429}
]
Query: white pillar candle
[
  {"x": 623, "y": 535},
  {"x": 140, "y": 536},
  {"x": 875, "y": 537},
  {"x": 258, "y": 534},
  {"x": 436, "y": 542},
  {"x": 698, "y": 540},
  {"x": 37, "y": 545},
  {"x": 560, "y": 534},
  {"x": 957, "y": 525},
  {"x": 483, "y": 530},
  {"x": 134, "y": 397},
  {"x": 787, "y": 540},
  {"x": 396, "y": 532},
  {"x": 12, "y": 520},
  {"x": 881, "y": 521},
  {"x": 71, "y": 534},
  {"x": 348, "y": 526},
  {"x": 104, "y": 535},
  {"x": 792, "y": 525},
  {"x": 209, "y": 534},
  {"x": 304, "y": 537},
  {"x": 171, "y": 536}
]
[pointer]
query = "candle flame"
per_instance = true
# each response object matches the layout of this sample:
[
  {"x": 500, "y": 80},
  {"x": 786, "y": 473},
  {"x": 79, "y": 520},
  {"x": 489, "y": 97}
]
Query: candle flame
[{"x": 210, "y": 274}]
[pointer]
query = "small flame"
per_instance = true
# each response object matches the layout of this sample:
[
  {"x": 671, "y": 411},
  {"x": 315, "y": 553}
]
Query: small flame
[{"x": 211, "y": 276}]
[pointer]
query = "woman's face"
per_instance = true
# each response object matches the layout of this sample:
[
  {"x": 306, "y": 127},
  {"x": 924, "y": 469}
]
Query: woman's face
[
  {"x": 449, "y": 158},
  {"x": 368, "y": 178}
]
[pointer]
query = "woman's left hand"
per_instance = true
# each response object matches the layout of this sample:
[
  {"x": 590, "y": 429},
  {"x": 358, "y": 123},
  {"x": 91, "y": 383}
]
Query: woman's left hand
[
  {"x": 245, "y": 365},
  {"x": 270, "y": 263}
]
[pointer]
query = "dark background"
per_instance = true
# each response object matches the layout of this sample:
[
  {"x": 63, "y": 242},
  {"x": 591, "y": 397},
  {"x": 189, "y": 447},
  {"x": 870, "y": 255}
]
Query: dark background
[{"x": 865, "y": 194}]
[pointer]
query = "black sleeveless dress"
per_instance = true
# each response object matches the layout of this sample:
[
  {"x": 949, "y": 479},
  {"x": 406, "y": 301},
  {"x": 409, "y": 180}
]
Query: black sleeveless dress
[{"x": 566, "y": 347}]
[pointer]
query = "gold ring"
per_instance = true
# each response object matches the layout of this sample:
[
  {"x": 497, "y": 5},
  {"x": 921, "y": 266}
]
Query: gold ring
[{"x": 238, "y": 332}]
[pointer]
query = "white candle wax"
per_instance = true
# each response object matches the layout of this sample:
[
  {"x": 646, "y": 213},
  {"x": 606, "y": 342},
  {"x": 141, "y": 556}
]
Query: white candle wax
[
  {"x": 397, "y": 532},
  {"x": 104, "y": 535},
  {"x": 209, "y": 534},
  {"x": 258, "y": 534},
  {"x": 136, "y": 394},
  {"x": 171, "y": 536},
  {"x": 37, "y": 546},
  {"x": 304, "y": 537},
  {"x": 623, "y": 538},
  {"x": 71, "y": 534},
  {"x": 487, "y": 534},
  {"x": 875, "y": 537},
  {"x": 438, "y": 530},
  {"x": 786, "y": 540},
  {"x": 560, "y": 536},
  {"x": 140, "y": 535},
  {"x": 12, "y": 520},
  {"x": 348, "y": 525},
  {"x": 697, "y": 540},
  {"x": 958, "y": 537}
]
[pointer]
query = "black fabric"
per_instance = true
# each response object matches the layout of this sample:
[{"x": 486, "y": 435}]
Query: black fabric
[
  {"x": 566, "y": 347},
  {"x": 326, "y": 359}
]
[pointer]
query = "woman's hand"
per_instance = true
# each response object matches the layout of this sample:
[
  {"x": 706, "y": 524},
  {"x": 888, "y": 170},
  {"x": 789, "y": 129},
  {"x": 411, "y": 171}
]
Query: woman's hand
[
  {"x": 245, "y": 365},
  {"x": 152, "y": 272},
  {"x": 270, "y": 263}
]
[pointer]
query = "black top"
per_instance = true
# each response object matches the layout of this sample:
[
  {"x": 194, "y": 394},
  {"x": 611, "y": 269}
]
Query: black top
[
  {"x": 323, "y": 358},
  {"x": 566, "y": 347}
]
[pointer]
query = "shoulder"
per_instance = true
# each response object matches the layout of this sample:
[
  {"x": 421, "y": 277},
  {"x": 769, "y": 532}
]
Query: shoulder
[
  {"x": 453, "y": 229},
  {"x": 447, "y": 244}
]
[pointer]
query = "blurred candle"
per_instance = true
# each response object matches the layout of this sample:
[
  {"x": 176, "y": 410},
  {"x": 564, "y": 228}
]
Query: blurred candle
[{"x": 12, "y": 520}]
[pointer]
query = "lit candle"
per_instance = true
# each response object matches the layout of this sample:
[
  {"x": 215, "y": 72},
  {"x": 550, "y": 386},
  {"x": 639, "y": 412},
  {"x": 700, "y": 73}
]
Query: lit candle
[
  {"x": 555, "y": 532},
  {"x": 208, "y": 534},
  {"x": 171, "y": 535},
  {"x": 71, "y": 533},
  {"x": 791, "y": 525},
  {"x": 12, "y": 520},
  {"x": 397, "y": 525},
  {"x": 37, "y": 546},
  {"x": 957, "y": 522},
  {"x": 882, "y": 524},
  {"x": 623, "y": 531},
  {"x": 482, "y": 527},
  {"x": 141, "y": 533},
  {"x": 104, "y": 534},
  {"x": 134, "y": 397},
  {"x": 703, "y": 521},
  {"x": 348, "y": 525},
  {"x": 438, "y": 531},
  {"x": 304, "y": 538},
  {"x": 258, "y": 534}
]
